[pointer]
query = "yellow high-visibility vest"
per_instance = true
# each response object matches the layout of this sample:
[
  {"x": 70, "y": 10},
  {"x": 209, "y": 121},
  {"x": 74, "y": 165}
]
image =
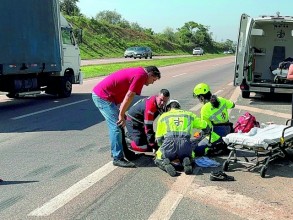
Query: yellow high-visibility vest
[
  {"x": 214, "y": 116},
  {"x": 179, "y": 122}
]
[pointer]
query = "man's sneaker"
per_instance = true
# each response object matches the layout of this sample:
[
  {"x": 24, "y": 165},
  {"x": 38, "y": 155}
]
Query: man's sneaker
[
  {"x": 169, "y": 167},
  {"x": 123, "y": 163},
  {"x": 187, "y": 166},
  {"x": 220, "y": 176}
]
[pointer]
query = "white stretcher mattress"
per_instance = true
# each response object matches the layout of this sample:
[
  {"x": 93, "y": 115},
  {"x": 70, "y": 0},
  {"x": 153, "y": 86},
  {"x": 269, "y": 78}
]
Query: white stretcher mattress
[
  {"x": 259, "y": 137},
  {"x": 280, "y": 72}
]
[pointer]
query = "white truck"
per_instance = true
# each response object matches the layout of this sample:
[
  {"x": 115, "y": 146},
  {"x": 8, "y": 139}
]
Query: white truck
[
  {"x": 263, "y": 44},
  {"x": 38, "y": 51}
]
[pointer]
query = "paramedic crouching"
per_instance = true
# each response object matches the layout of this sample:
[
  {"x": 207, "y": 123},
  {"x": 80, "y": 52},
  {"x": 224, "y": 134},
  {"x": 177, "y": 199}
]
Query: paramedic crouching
[
  {"x": 215, "y": 112},
  {"x": 174, "y": 129}
]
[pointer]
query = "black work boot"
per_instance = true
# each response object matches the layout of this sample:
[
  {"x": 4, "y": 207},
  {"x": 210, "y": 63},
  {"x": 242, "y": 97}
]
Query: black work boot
[
  {"x": 123, "y": 163},
  {"x": 169, "y": 167},
  {"x": 166, "y": 166},
  {"x": 160, "y": 164},
  {"x": 187, "y": 166}
]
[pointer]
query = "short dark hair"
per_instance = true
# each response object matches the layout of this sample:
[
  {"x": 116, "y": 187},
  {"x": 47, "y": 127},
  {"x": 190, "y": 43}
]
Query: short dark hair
[
  {"x": 165, "y": 92},
  {"x": 175, "y": 105},
  {"x": 154, "y": 71}
]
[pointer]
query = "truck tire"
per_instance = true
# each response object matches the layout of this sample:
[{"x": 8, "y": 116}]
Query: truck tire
[
  {"x": 65, "y": 87},
  {"x": 245, "y": 94},
  {"x": 12, "y": 95}
]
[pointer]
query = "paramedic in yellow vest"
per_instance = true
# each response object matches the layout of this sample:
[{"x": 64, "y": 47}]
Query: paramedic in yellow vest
[
  {"x": 174, "y": 129},
  {"x": 215, "y": 112}
]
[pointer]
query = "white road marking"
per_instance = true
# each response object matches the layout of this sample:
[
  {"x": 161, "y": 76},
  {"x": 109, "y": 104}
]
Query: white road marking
[
  {"x": 263, "y": 111},
  {"x": 46, "y": 110},
  {"x": 217, "y": 92},
  {"x": 235, "y": 95},
  {"x": 63, "y": 198},
  {"x": 169, "y": 203},
  {"x": 179, "y": 74},
  {"x": 236, "y": 203},
  {"x": 196, "y": 108},
  {"x": 199, "y": 105}
]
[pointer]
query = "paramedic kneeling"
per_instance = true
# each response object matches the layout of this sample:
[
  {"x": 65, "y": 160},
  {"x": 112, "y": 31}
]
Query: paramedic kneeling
[
  {"x": 140, "y": 120},
  {"x": 215, "y": 112},
  {"x": 174, "y": 129}
]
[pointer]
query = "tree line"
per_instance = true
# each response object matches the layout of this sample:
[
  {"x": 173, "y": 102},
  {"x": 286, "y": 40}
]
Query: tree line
[{"x": 191, "y": 34}]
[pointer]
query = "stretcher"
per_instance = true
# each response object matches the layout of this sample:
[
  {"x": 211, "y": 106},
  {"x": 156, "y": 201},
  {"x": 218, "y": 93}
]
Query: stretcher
[
  {"x": 257, "y": 148},
  {"x": 280, "y": 75}
]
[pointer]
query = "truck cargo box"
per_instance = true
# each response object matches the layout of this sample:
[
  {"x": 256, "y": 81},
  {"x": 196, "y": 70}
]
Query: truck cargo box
[{"x": 29, "y": 39}]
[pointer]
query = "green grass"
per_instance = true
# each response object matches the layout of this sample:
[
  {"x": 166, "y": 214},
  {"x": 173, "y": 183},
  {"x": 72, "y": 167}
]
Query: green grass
[{"x": 105, "y": 69}]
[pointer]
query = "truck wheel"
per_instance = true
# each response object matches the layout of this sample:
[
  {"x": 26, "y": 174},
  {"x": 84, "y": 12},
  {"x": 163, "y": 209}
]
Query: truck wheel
[
  {"x": 65, "y": 87},
  {"x": 12, "y": 95},
  {"x": 245, "y": 94}
]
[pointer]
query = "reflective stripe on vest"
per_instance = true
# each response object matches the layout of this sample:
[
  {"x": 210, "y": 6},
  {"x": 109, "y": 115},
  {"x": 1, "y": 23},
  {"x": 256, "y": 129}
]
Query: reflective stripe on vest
[{"x": 213, "y": 118}]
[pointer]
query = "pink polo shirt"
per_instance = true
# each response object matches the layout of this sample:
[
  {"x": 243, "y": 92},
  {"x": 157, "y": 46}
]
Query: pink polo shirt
[{"x": 115, "y": 86}]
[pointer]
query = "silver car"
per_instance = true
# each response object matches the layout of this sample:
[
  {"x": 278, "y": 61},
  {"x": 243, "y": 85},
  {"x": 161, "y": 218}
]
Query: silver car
[
  {"x": 197, "y": 51},
  {"x": 141, "y": 52},
  {"x": 129, "y": 52}
]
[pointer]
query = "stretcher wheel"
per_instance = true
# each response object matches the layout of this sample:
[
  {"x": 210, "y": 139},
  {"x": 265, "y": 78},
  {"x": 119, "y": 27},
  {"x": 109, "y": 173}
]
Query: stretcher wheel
[
  {"x": 226, "y": 165},
  {"x": 263, "y": 171}
]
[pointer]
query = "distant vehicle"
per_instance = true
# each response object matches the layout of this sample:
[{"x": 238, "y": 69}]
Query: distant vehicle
[
  {"x": 129, "y": 52},
  {"x": 228, "y": 52},
  {"x": 140, "y": 52},
  {"x": 197, "y": 51}
]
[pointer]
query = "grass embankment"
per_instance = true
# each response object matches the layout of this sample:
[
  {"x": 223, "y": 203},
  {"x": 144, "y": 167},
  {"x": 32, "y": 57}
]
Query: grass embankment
[{"x": 105, "y": 69}]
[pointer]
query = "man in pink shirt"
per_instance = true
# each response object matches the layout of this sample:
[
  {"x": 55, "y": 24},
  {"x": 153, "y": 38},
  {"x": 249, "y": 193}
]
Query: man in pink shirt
[{"x": 120, "y": 88}]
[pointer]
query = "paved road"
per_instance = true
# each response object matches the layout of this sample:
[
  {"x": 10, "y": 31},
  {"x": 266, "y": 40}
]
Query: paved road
[{"x": 56, "y": 163}]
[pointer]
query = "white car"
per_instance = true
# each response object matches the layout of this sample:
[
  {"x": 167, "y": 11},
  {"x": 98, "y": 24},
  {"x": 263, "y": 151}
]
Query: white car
[
  {"x": 129, "y": 52},
  {"x": 228, "y": 52},
  {"x": 197, "y": 51}
]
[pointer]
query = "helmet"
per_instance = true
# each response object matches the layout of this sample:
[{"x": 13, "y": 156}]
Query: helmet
[
  {"x": 201, "y": 89},
  {"x": 171, "y": 101}
]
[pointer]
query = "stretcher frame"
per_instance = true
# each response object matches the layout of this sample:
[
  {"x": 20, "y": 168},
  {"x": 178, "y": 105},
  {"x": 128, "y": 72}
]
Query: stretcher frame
[{"x": 260, "y": 157}]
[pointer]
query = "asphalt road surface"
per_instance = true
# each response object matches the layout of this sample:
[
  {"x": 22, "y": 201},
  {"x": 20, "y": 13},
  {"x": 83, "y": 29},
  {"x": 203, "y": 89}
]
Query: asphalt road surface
[{"x": 55, "y": 160}]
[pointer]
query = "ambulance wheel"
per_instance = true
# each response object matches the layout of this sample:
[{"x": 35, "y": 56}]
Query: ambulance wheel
[
  {"x": 245, "y": 94},
  {"x": 263, "y": 171},
  {"x": 226, "y": 165}
]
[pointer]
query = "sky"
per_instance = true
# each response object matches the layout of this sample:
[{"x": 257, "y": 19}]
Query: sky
[{"x": 221, "y": 16}]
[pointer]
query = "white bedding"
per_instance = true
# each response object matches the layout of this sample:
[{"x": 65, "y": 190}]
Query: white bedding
[
  {"x": 259, "y": 137},
  {"x": 280, "y": 72}
]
